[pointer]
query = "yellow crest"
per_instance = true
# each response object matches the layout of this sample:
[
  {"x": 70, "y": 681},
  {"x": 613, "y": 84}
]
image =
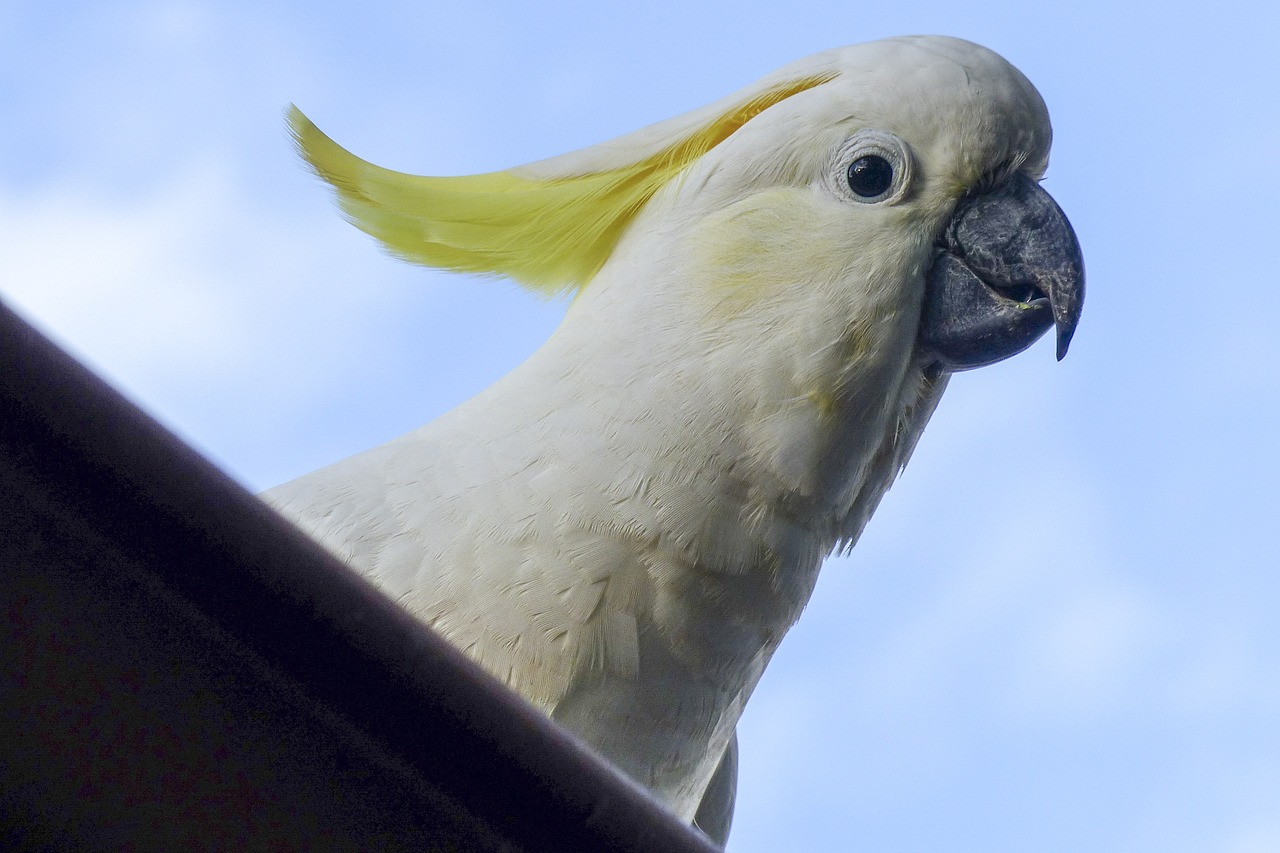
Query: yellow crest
[{"x": 549, "y": 226}]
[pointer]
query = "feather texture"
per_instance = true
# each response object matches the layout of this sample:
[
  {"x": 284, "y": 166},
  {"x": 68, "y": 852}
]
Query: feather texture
[
  {"x": 551, "y": 233},
  {"x": 624, "y": 527}
]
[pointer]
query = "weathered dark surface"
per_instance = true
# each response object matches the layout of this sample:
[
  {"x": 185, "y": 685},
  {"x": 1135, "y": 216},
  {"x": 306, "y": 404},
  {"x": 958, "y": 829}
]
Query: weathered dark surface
[{"x": 180, "y": 669}]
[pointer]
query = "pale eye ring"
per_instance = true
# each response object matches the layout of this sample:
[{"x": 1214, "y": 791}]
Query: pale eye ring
[{"x": 871, "y": 167}]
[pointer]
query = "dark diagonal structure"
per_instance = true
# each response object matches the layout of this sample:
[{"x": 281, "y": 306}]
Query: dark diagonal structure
[{"x": 180, "y": 669}]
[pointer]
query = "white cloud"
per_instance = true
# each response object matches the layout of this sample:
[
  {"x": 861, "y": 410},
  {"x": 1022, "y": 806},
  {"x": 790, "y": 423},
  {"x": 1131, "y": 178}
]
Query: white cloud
[
  {"x": 198, "y": 304},
  {"x": 121, "y": 281}
]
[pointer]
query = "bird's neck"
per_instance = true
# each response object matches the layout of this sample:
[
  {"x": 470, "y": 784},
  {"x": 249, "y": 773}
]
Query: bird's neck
[{"x": 745, "y": 458}]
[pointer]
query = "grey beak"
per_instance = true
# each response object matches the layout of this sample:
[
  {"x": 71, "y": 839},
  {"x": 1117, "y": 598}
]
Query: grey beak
[{"x": 1009, "y": 268}]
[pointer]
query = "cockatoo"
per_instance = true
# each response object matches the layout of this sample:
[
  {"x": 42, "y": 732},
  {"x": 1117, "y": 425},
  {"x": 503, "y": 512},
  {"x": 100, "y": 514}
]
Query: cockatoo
[{"x": 769, "y": 295}]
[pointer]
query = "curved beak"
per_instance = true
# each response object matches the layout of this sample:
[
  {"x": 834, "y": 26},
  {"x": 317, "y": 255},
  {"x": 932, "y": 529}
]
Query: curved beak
[{"x": 1009, "y": 267}]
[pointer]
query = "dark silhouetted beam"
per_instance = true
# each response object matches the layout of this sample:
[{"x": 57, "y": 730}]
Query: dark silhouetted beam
[{"x": 181, "y": 669}]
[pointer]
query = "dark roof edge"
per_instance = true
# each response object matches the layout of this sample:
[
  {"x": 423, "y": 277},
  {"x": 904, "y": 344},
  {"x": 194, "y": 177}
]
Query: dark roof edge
[{"x": 204, "y": 538}]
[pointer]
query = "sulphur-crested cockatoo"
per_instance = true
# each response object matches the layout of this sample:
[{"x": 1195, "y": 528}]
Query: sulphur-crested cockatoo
[{"x": 769, "y": 294}]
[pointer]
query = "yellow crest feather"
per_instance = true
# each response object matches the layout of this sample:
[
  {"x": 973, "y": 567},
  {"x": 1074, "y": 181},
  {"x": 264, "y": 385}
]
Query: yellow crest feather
[{"x": 551, "y": 234}]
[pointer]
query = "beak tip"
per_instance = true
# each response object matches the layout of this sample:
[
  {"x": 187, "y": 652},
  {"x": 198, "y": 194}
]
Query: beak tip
[
  {"x": 1010, "y": 236},
  {"x": 1064, "y": 340}
]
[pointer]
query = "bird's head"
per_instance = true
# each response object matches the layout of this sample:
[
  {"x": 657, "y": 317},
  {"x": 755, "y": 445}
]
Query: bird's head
[{"x": 887, "y": 184}]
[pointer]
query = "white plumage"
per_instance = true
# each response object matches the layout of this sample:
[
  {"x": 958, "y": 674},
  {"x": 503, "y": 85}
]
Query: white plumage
[{"x": 624, "y": 527}]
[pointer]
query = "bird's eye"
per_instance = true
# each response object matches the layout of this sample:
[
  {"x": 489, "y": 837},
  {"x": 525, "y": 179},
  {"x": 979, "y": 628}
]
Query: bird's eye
[
  {"x": 871, "y": 167},
  {"x": 870, "y": 175}
]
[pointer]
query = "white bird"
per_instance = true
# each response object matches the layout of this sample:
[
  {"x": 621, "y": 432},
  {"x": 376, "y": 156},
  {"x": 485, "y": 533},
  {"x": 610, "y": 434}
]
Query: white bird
[{"x": 769, "y": 295}]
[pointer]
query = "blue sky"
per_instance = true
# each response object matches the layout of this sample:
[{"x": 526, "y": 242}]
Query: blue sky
[{"x": 1060, "y": 631}]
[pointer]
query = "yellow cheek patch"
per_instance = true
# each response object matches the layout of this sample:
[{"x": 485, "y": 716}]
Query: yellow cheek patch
[
  {"x": 756, "y": 249},
  {"x": 551, "y": 235},
  {"x": 825, "y": 403}
]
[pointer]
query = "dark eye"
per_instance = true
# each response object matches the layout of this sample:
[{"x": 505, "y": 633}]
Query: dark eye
[{"x": 870, "y": 175}]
